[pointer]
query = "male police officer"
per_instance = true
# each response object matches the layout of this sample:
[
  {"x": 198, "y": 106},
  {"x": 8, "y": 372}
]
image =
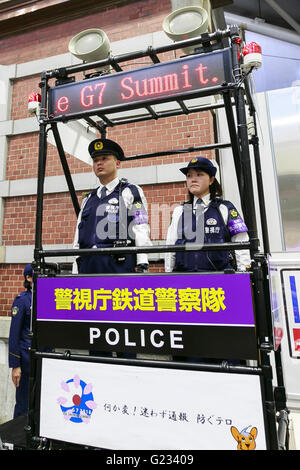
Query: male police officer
[
  {"x": 112, "y": 215},
  {"x": 19, "y": 344}
]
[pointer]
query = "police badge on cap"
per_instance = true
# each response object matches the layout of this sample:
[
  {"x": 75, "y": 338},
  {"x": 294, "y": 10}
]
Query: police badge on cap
[
  {"x": 105, "y": 147},
  {"x": 200, "y": 163}
]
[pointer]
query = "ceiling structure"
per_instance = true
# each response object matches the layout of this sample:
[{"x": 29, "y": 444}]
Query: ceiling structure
[
  {"x": 285, "y": 14},
  {"x": 20, "y": 15},
  {"x": 17, "y": 16}
]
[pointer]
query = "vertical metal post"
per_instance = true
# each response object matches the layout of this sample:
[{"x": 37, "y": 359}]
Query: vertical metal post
[
  {"x": 260, "y": 190},
  {"x": 234, "y": 143},
  {"x": 255, "y": 145},
  {"x": 281, "y": 404},
  {"x": 259, "y": 267},
  {"x": 269, "y": 402},
  {"x": 30, "y": 428},
  {"x": 264, "y": 334},
  {"x": 41, "y": 168},
  {"x": 243, "y": 140}
]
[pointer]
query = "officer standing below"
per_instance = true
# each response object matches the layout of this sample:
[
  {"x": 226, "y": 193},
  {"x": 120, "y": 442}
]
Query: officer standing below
[
  {"x": 205, "y": 218},
  {"x": 19, "y": 344},
  {"x": 113, "y": 215}
]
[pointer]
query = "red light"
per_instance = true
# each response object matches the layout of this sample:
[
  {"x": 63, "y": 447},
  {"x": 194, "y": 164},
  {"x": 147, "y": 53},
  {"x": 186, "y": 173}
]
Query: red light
[
  {"x": 34, "y": 97},
  {"x": 237, "y": 40},
  {"x": 251, "y": 48}
]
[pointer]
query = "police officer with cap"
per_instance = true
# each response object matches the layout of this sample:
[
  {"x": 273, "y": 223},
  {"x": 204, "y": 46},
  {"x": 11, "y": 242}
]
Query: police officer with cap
[
  {"x": 112, "y": 215},
  {"x": 19, "y": 344},
  {"x": 205, "y": 218}
]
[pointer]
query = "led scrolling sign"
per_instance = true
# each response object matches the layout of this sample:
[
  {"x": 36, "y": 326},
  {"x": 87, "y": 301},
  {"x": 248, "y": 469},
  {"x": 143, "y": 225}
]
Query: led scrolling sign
[{"x": 186, "y": 77}]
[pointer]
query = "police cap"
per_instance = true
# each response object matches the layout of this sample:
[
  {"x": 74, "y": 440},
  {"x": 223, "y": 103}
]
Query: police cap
[
  {"x": 200, "y": 163},
  {"x": 28, "y": 271},
  {"x": 105, "y": 147}
]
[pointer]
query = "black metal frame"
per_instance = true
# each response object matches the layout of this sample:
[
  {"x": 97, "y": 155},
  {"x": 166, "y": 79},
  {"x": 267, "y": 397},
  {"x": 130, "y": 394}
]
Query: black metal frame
[{"x": 235, "y": 95}]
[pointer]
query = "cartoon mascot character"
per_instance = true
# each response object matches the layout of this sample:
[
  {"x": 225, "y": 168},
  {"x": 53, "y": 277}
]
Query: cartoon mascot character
[{"x": 245, "y": 439}]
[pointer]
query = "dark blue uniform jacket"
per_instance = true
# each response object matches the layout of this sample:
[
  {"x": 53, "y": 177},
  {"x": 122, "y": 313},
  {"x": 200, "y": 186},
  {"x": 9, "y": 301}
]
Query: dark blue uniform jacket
[
  {"x": 215, "y": 231},
  {"x": 19, "y": 343},
  {"x": 102, "y": 224}
]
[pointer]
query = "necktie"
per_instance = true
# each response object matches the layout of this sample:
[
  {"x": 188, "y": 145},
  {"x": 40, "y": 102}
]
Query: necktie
[
  {"x": 199, "y": 210},
  {"x": 103, "y": 192}
]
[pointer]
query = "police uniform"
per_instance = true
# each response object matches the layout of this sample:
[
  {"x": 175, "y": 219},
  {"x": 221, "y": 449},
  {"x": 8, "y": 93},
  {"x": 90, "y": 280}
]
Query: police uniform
[
  {"x": 107, "y": 219},
  {"x": 220, "y": 223},
  {"x": 19, "y": 344}
]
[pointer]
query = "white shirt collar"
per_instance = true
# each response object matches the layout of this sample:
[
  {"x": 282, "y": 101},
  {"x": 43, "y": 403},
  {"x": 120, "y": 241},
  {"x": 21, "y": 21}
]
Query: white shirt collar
[
  {"x": 205, "y": 199},
  {"x": 109, "y": 186}
]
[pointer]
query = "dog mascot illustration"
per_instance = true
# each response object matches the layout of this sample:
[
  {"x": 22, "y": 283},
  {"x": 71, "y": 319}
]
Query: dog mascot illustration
[{"x": 245, "y": 439}]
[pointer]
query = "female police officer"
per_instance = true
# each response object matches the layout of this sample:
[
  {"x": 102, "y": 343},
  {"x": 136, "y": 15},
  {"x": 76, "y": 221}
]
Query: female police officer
[
  {"x": 112, "y": 215},
  {"x": 205, "y": 218}
]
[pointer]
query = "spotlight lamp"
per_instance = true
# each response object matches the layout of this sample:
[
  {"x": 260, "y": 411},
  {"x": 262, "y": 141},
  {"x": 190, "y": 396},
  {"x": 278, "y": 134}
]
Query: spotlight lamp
[
  {"x": 186, "y": 23},
  {"x": 91, "y": 45}
]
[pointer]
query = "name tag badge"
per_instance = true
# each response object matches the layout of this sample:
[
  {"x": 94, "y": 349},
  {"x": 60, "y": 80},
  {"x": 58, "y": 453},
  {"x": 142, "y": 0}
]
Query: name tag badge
[
  {"x": 113, "y": 201},
  {"x": 211, "y": 221}
]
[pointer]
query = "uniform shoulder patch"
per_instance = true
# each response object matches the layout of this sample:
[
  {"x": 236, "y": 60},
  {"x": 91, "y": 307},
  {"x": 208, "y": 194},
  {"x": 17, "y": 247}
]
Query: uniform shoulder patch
[
  {"x": 15, "y": 311},
  {"x": 85, "y": 194}
]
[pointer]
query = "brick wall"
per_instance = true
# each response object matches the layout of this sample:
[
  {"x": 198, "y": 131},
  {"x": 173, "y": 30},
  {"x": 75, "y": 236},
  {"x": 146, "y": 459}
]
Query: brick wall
[
  {"x": 11, "y": 282},
  {"x": 119, "y": 23},
  {"x": 59, "y": 219},
  {"x": 22, "y": 159},
  {"x": 135, "y": 139},
  {"x": 146, "y": 137}
]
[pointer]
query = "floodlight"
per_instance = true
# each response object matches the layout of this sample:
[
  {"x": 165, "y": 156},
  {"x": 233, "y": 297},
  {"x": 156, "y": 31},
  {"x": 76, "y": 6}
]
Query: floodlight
[
  {"x": 90, "y": 45},
  {"x": 186, "y": 23}
]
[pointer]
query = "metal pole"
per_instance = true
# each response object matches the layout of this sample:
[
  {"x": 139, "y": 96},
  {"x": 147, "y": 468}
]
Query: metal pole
[
  {"x": 244, "y": 144},
  {"x": 263, "y": 214},
  {"x": 223, "y": 366},
  {"x": 255, "y": 144},
  {"x": 264, "y": 334},
  {"x": 259, "y": 278},
  {"x": 65, "y": 167},
  {"x": 41, "y": 167},
  {"x": 234, "y": 143},
  {"x": 180, "y": 151},
  {"x": 146, "y": 249},
  {"x": 217, "y": 36},
  {"x": 38, "y": 246},
  {"x": 281, "y": 404}
]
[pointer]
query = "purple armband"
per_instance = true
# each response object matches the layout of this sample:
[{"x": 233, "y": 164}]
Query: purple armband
[
  {"x": 140, "y": 217},
  {"x": 236, "y": 226}
]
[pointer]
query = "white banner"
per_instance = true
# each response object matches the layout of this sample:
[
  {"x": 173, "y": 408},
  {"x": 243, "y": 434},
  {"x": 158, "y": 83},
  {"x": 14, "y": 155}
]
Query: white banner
[
  {"x": 129, "y": 407},
  {"x": 291, "y": 289}
]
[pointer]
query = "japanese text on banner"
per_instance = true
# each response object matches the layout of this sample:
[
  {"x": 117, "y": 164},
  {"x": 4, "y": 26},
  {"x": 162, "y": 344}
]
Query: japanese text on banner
[{"x": 159, "y": 299}]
